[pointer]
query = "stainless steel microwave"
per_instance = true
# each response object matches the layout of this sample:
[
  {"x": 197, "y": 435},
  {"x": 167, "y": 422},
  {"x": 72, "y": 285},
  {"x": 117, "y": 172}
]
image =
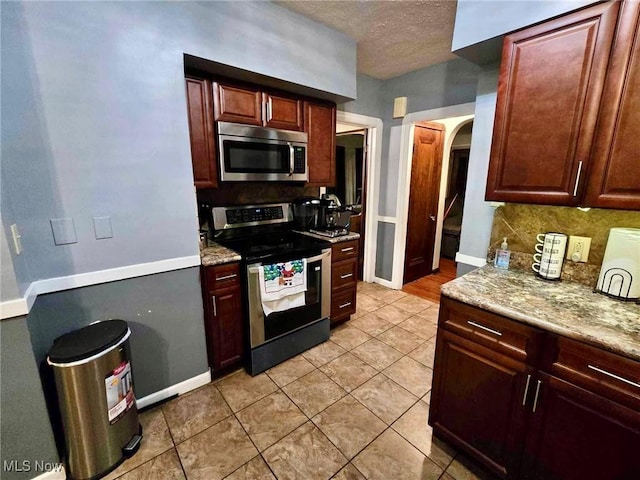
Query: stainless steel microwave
[{"x": 248, "y": 154}]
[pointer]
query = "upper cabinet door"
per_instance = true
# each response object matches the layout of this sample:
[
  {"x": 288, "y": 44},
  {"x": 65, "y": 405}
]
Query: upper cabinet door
[
  {"x": 614, "y": 180},
  {"x": 551, "y": 82},
  {"x": 320, "y": 124},
  {"x": 283, "y": 112},
  {"x": 237, "y": 104},
  {"x": 203, "y": 148}
]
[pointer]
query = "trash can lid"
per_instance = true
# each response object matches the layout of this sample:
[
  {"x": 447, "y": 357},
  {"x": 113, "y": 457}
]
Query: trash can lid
[{"x": 87, "y": 341}]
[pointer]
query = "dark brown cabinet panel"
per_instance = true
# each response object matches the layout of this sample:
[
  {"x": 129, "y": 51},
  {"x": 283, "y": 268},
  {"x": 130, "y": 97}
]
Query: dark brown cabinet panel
[
  {"x": 201, "y": 134},
  {"x": 344, "y": 280},
  {"x": 237, "y": 104},
  {"x": 283, "y": 112},
  {"x": 551, "y": 82},
  {"x": 320, "y": 125},
  {"x": 614, "y": 178}
]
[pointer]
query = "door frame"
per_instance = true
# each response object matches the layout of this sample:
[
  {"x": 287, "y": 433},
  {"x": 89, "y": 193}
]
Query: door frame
[
  {"x": 373, "y": 155},
  {"x": 404, "y": 180}
]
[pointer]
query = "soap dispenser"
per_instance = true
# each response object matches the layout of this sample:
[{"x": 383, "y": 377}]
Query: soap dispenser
[{"x": 502, "y": 255}]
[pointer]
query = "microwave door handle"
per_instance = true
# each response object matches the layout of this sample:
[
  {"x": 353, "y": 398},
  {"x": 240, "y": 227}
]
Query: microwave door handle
[{"x": 291, "y": 156}]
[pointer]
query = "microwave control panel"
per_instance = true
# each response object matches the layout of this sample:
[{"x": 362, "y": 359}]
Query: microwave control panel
[{"x": 299, "y": 159}]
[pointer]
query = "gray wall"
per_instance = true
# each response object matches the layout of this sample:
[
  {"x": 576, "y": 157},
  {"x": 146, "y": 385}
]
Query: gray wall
[
  {"x": 24, "y": 425},
  {"x": 8, "y": 285},
  {"x": 369, "y": 99}
]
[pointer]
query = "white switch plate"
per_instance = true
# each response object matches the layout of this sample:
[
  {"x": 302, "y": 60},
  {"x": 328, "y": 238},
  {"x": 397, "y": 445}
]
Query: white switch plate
[
  {"x": 17, "y": 243},
  {"x": 102, "y": 227},
  {"x": 578, "y": 245}
]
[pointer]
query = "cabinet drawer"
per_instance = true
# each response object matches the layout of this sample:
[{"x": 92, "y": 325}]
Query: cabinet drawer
[
  {"x": 344, "y": 273},
  {"x": 494, "y": 331},
  {"x": 221, "y": 276},
  {"x": 608, "y": 374},
  {"x": 343, "y": 304},
  {"x": 344, "y": 250}
]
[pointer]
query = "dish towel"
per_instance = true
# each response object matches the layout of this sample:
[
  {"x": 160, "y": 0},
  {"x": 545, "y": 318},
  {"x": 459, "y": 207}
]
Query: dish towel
[{"x": 282, "y": 285}]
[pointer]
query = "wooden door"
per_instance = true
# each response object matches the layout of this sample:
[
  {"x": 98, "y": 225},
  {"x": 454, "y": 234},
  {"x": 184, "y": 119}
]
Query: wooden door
[
  {"x": 575, "y": 434},
  {"x": 226, "y": 327},
  {"x": 614, "y": 178},
  {"x": 237, "y": 104},
  {"x": 201, "y": 134},
  {"x": 551, "y": 81},
  {"x": 477, "y": 402},
  {"x": 426, "y": 168},
  {"x": 283, "y": 112},
  {"x": 320, "y": 125}
]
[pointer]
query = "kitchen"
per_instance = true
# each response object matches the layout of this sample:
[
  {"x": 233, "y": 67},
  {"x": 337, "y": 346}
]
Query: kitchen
[{"x": 141, "y": 98}]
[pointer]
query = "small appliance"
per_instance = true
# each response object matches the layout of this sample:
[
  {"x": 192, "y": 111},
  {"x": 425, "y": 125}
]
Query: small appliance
[
  {"x": 620, "y": 272},
  {"x": 550, "y": 255}
]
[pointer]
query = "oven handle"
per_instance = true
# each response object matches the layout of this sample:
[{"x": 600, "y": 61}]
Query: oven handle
[{"x": 309, "y": 260}]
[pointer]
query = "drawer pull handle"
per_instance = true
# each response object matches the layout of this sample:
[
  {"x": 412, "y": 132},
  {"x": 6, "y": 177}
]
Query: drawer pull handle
[
  {"x": 482, "y": 327},
  {"x": 348, "y": 249},
  {"x": 226, "y": 277},
  {"x": 526, "y": 390},
  {"x": 613, "y": 375},
  {"x": 346, "y": 276},
  {"x": 215, "y": 309},
  {"x": 345, "y": 305},
  {"x": 535, "y": 400}
]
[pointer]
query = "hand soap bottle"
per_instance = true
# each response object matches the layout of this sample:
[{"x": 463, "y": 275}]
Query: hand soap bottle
[{"x": 502, "y": 255}]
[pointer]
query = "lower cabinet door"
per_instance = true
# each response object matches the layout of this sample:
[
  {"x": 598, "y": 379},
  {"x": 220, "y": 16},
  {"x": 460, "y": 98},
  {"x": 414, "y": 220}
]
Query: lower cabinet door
[
  {"x": 576, "y": 434},
  {"x": 226, "y": 327},
  {"x": 477, "y": 402}
]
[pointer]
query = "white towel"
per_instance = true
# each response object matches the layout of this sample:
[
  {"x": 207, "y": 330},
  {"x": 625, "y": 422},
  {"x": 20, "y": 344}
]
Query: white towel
[{"x": 282, "y": 285}]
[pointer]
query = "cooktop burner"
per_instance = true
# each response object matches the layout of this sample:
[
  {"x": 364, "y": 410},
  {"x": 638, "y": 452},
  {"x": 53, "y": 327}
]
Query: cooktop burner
[{"x": 264, "y": 247}]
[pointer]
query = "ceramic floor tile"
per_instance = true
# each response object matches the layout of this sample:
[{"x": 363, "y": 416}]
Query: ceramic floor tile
[
  {"x": 463, "y": 468},
  {"x": 323, "y": 353},
  {"x": 411, "y": 375},
  {"x": 349, "y": 425},
  {"x": 370, "y": 323},
  {"x": 392, "y": 314},
  {"x": 163, "y": 467},
  {"x": 349, "y": 472},
  {"x": 425, "y": 353},
  {"x": 430, "y": 314},
  {"x": 349, "y": 337},
  {"x": 156, "y": 440},
  {"x": 216, "y": 452},
  {"x": 348, "y": 371},
  {"x": 314, "y": 392},
  {"x": 371, "y": 288},
  {"x": 192, "y": 413},
  {"x": 377, "y": 354},
  {"x": 401, "y": 339},
  {"x": 291, "y": 370},
  {"x": 413, "y": 427},
  {"x": 391, "y": 296},
  {"x": 270, "y": 419},
  {"x": 304, "y": 454},
  {"x": 241, "y": 389},
  {"x": 413, "y": 304},
  {"x": 385, "y": 398},
  {"x": 391, "y": 457},
  {"x": 255, "y": 469},
  {"x": 427, "y": 398},
  {"x": 368, "y": 303},
  {"x": 420, "y": 326}
]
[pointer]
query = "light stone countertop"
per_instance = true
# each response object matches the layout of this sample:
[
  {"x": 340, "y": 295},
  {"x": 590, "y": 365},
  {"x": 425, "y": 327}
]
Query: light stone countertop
[
  {"x": 566, "y": 308},
  {"x": 343, "y": 238},
  {"x": 216, "y": 254}
]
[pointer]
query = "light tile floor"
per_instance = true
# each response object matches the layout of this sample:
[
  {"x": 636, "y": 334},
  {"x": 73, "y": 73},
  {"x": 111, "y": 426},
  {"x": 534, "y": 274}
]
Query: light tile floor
[{"x": 355, "y": 407}]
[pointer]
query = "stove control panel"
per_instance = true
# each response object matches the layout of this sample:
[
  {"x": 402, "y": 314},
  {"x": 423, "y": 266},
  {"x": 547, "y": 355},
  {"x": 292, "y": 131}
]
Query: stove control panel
[
  {"x": 250, "y": 215},
  {"x": 257, "y": 214}
]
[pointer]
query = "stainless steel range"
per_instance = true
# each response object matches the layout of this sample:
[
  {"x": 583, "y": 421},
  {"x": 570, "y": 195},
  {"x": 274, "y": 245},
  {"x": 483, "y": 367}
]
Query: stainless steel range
[{"x": 286, "y": 280}]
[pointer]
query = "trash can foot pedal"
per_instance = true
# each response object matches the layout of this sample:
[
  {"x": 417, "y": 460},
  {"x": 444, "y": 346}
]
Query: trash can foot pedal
[{"x": 133, "y": 446}]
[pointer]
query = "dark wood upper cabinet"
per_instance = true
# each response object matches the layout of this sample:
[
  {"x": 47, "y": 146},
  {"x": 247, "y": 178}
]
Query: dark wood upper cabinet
[
  {"x": 282, "y": 112},
  {"x": 614, "y": 179},
  {"x": 237, "y": 104},
  {"x": 201, "y": 132},
  {"x": 551, "y": 82},
  {"x": 320, "y": 125}
]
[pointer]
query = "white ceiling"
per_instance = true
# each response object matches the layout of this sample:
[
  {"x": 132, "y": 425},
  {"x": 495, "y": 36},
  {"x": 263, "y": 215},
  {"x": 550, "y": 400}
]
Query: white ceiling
[{"x": 394, "y": 37}]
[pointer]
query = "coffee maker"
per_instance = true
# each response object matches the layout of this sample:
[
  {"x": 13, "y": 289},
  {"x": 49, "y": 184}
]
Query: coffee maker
[{"x": 321, "y": 216}]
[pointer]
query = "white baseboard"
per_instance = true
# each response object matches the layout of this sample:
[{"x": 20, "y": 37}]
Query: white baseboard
[
  {"x": 58, "y": 475},
  {"x": 14, "y": 308},
  {"x": 177, "y": 389},
  {"x": 469, "y": 260},
  {"x": 385, "y": 283}
]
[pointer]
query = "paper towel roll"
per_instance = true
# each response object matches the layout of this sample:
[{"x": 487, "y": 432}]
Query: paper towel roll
[{"x": 620, "y": 271}]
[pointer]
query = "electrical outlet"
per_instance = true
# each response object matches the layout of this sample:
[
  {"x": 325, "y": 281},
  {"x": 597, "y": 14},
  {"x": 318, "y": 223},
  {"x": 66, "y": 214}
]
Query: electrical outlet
[{"x": 578, "y": 248}]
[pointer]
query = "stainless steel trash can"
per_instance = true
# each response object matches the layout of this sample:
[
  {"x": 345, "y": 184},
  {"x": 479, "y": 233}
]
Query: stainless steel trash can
[{"x": 92, "y": 370}]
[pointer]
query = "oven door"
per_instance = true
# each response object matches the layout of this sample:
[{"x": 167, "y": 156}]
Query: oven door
[{"x": 317, "y": 301}]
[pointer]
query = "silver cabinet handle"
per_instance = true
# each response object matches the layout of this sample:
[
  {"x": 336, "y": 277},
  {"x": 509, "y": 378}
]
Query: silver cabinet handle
[
  {"x": 269, "y": 109},
  {"x": 346, "y": 276},
  {"x": 490, "y": 330},
  {"x": 613, "y": 375},
  {"x": 526, "y": 390},
  {"x": 226, "y": 277},
  {"x": 345, "y": 305},
  {"x": 575, "y": 188},
  {"x": 432, "y": 218},
  {"x": 348, "y": 249},
  {"x": 213, "y": 302},
  {"x": 535, "y": 399},
  {"x": 291, "y": 158}
]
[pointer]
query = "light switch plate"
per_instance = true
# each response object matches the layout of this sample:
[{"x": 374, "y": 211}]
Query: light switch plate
[
  {"x": 17, "y": 243},
  {"x": 578, "y": 248},
  {"x": 64, "y": 231},
  {"x": 102, "y": 227}
]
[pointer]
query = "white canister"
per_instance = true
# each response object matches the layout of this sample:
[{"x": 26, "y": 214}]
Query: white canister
[{"x": 620, "y": 271}]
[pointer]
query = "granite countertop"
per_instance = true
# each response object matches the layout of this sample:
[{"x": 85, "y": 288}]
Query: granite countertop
[
  {"x": 566, "y": 308},
  {"x": 343, "y": 238},
  {"x": 216, "y": 254}
]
